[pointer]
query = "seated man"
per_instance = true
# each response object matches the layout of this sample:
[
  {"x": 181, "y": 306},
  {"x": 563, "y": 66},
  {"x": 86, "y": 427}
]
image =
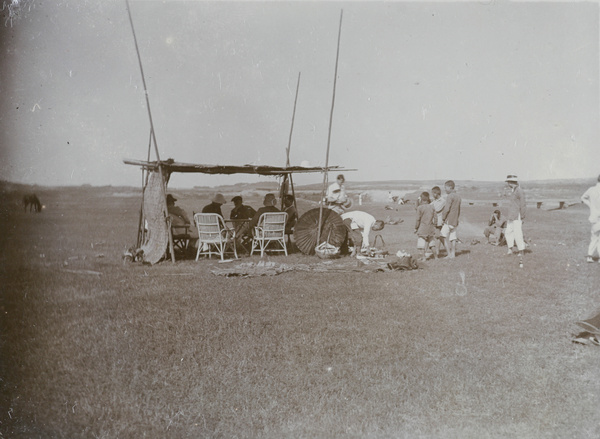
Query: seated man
[
  {"x": 292, "y": 218},
  {"x": 215, "y": 206},
  {"x": 359, "y": 224},
  {"x": 241, "y": 212},
  {"x": 269, "y": 206},
  {"x": 180, "y": 222},
  {"x": 336, "y": 198},
  {"x": 494, "y": 231}
]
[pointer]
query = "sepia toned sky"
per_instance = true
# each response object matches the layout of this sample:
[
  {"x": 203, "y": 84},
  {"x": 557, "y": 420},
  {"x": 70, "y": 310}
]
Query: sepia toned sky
[{"x": 462, "y": 90}]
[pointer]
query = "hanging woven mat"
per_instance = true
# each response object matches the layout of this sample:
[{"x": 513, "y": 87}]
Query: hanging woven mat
[{"x": 154, "y": 211}]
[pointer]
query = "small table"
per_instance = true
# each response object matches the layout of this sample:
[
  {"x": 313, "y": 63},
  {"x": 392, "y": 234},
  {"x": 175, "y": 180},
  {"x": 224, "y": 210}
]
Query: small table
[{"x": 242, "y": 232}]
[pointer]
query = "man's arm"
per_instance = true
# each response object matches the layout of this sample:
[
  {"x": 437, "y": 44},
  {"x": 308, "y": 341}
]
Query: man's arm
[
  {"x": 522, "y": 204},
  {"x": 447, "y": 207},
  {"x": 418, "y": 219},
  {"x": 585, "y": 198},
  {"x": 254, "y": 221}
]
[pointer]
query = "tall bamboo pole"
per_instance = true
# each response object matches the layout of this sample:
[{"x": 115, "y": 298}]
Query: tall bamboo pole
[
  {"x": 145, "y": 174},
  {"x": 160, "y": 170},
  {"x": 287, "y": 151},
  {"x": 326, "y": 169}
]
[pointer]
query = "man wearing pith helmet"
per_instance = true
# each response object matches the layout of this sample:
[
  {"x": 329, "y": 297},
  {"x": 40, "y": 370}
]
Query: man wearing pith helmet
[
  {"x": 514, "y": 217},
  {"x": 215, "y": 206}
]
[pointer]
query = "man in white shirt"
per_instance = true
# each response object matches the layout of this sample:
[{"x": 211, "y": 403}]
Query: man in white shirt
[
  {"x": 336, "y": 197},
  {"x": 359, "y": 225},
  {"x": 591, "y": 198}
]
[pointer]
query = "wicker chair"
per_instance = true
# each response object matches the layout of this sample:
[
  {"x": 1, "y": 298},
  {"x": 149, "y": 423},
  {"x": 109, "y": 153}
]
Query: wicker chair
[
  {"x": 270, "y": 229},
  {"x": 214, "y": 237}
]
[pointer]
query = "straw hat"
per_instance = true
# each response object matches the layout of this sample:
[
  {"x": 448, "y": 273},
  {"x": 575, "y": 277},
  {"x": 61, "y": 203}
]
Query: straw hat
[
  {"x": 511, "y": 179},
  {"x": 219, "y": 198}
]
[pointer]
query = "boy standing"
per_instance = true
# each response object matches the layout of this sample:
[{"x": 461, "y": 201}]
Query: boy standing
[
  {"x": 425, "y": 226},
  {"x": 438, "y": 204},
  {"x": 450, "y": 216}
]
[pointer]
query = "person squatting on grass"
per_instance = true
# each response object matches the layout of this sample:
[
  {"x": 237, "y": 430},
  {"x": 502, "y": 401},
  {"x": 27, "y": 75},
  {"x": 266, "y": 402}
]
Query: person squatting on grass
[
  {"x": 494, "y": 231},
  {"x": 514, "y": 217},
  {"x": 425, "y": 226},
  {"x": 450, "y": 216},
  {"x": 359, "y": 224},
  {"x": 591, "y": 198}
]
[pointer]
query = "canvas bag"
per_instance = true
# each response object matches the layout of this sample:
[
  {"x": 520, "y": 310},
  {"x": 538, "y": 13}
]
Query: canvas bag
[{"x": 403, "y": 264}]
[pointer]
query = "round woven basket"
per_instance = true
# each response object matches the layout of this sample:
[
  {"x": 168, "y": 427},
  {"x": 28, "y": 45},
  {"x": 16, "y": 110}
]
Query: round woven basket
[{"x": 327, "y": 251}]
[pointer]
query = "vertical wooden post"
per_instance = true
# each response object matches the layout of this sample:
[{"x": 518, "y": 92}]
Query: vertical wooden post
[{"x": 326, "y": 169}]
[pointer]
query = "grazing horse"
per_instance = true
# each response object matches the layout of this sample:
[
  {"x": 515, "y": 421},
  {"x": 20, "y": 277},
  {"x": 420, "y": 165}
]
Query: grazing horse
[{"x": 33, "y": 202}]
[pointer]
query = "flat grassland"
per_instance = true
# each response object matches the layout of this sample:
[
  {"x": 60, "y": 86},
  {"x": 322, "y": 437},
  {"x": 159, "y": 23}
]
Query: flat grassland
[{"x": 94, "y": 348}]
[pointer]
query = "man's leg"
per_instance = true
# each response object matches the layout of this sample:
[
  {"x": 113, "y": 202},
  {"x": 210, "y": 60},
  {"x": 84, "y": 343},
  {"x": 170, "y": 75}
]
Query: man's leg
[
  {"x": 509, "y": 235},
  {"x": 518, "y": 234},
  {"x": 453, "y": 238},
  {"x": 594, "y": 247},
  {"x": 422, "y": 247},
  {"x": 357, "y": 238},
  {"x": 435, "y": 248},
  {"x": 497, "y": 235},
  {"x": 446, "y": 239}
]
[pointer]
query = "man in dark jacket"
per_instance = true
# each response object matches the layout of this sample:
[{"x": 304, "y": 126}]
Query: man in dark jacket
[
  {"x": 240, "y": 210},
  {"x": 241, "y": 214},
  {"x": 269, "y": 206},
  {"x": 215, "y": 206}
]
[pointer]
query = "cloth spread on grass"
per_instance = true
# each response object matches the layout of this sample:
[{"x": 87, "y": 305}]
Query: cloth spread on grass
[
  {"x": 591, "y": 335},
  {"x": 270, "y": 268}
]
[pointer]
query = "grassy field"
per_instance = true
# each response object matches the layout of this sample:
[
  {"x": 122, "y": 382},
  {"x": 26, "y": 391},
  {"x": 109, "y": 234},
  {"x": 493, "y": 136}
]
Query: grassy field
[{"x": 93, "y": 348}]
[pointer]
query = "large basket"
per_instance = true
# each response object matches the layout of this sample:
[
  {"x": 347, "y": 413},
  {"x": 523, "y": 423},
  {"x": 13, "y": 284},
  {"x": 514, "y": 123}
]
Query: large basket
[{"x": 327, "y": 251}]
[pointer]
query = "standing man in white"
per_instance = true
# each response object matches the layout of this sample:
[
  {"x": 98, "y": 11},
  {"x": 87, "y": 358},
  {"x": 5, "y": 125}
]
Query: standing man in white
[
  {"x": 514, "y": 217},
  {"x": 591, "y": 198}
]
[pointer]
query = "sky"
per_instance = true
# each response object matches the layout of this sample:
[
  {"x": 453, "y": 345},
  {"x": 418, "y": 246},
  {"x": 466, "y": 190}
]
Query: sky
[{"x": 424, "y": 91}]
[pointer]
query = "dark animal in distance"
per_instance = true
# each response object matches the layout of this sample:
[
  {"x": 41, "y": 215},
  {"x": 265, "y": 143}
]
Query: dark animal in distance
[{"x": 33, "y": 202}]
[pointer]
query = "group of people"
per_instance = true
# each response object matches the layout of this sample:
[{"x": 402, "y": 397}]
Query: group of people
[
  {"x": 358, "y": 224},
  {"x": 244, "y": 217},
  {"x": 438, "y": 220},
  {"x": 436, "y": 225}
]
